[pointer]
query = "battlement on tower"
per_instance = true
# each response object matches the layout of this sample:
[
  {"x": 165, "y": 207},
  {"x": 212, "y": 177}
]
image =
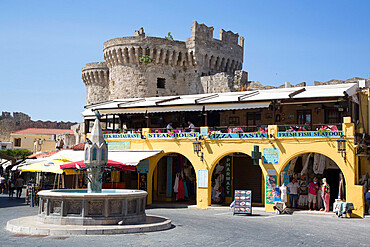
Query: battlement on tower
[{"x": 144, "y": 66}]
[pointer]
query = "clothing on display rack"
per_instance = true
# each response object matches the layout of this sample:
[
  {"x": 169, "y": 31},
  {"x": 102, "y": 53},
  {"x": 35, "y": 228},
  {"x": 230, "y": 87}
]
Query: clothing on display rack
[
  {"x": 292, "y": 165},
  {"x": 176, "y": 184},
  {"x": 306, "y": 162},
  {"x": 277, "y": 194},
  {"x": 181, "y": 190},
  {"x": 283, "y": 193}
]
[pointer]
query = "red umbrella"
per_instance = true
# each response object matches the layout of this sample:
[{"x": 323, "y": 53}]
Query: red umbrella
[{"x": 111, "y": 163}]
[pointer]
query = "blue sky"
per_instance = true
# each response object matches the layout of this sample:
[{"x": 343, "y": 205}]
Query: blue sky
[{"x": 44, "y": 44}]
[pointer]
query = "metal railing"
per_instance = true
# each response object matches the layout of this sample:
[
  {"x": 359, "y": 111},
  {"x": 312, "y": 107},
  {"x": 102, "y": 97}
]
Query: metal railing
[{"x": 310, "y": 127}]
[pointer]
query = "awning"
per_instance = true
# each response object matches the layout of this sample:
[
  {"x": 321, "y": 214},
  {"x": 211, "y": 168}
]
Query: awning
[
  {"x": 111, "y": 163},
  {"x": 131, "y": 158},
  {"x": 52, "y": 165},
  {"x": 222, "y": 107}
]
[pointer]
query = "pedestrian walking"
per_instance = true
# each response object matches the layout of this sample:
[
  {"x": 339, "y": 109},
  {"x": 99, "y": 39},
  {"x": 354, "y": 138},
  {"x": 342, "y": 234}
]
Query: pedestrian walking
[
  {"x": 11, "y": 187},
  {"x": 313, "y": 187},
  {"x": 325, "y": 190},
  {"x": 19, "y": 186},
  {"x": 2, "y": 183}
]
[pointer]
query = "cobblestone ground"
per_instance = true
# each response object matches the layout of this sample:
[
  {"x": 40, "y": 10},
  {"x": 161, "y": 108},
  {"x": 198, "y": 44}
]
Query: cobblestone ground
[{"x": 212, "y": 227}]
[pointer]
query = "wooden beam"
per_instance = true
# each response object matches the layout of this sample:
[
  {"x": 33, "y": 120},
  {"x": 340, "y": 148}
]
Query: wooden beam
[{"x": 291, "y": 95}]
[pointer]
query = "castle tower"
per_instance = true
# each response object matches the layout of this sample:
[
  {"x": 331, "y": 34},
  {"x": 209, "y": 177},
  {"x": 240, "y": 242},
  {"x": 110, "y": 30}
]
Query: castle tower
[
  {"x": 96, "y": 77},
  {"x": 96, "y": 158},
  {"x": 142, "y": 66}
]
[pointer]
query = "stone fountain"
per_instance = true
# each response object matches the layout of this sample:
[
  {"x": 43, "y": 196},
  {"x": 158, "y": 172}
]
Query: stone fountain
[{"x": 80, "y": 211}]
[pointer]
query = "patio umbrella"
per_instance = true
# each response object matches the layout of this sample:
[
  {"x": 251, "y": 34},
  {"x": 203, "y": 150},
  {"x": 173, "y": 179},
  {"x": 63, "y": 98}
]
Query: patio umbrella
[
  {"x": 52, "y": 165},
  {"x": 111, "y": 164}
]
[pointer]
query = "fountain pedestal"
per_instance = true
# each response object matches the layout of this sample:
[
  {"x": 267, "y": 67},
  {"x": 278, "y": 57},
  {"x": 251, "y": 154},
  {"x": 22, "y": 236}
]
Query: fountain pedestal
[{"x": 77, "y": 207}]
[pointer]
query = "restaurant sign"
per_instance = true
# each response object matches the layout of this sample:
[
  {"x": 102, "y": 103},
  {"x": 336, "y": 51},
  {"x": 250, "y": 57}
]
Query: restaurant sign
[
  {"x": 122, "y": 136},
  {"x": 118, "y": 145},
  {"x": 303, "y": 134},
  {"x": 238, "y": 135},
  {"x": 172, "y": 135}
]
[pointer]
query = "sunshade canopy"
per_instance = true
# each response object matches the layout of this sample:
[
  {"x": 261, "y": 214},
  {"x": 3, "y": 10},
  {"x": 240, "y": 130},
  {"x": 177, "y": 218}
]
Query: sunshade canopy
[
  {"x": 111, "y": 163},
  {"x": 52, "y": 166}
]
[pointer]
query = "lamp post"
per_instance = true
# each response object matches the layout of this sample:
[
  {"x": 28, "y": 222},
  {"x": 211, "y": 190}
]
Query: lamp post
[
  {"x": 197, "y": 146},
  {"x": 342, "y": 147}
]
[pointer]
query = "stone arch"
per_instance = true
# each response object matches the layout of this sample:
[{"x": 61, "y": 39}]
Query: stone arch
[
  {"x": 155, "y": 160},
  {"x": 337, "y": 158},
  {"x": 206, "y": 61},
  {"x": 222, "y": 155}
]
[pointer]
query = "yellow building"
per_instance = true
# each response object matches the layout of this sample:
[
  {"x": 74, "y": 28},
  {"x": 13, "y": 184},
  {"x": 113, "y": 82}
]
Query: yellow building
[
  {"x": 252, "y": 140},
  {"x": 37, "y": 139}
]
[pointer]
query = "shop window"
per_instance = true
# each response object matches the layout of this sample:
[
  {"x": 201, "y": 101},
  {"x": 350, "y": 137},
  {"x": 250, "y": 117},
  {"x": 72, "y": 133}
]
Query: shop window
[
  {"x": 304, "y": 116},
  {"x": 94, "y": 154},
  {"x": 253, "y": 118},
  {"x": 234, "y": 120},
  {"x": 17, "y": 142},
  {"x": 161, "y": 83},
  {"x": 332, "y": 116}
]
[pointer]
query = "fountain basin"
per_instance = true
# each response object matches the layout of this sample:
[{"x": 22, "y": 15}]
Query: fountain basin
[{"x": 77, "y": 207}]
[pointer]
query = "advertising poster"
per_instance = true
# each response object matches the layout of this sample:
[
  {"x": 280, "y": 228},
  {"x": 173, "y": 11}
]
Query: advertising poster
[
  {"x": 270, "y": 187},
  {"x": 270, "y": 156},
  {"x": 243, "y": 202}
]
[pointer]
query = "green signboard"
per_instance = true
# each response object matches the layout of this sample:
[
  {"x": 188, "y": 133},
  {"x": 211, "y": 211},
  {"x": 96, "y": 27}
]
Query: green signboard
[{"x": 228, "y": 176}]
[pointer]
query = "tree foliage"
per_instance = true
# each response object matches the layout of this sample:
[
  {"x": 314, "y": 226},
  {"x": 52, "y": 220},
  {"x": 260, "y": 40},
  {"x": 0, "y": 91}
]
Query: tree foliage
[{"x": 16, "y": 153}]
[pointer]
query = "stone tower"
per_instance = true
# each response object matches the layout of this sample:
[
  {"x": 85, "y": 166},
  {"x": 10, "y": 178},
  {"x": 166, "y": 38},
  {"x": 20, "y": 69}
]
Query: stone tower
[
  {"x": 96, "y": 158},
  {"x": 142, "y": 66}
]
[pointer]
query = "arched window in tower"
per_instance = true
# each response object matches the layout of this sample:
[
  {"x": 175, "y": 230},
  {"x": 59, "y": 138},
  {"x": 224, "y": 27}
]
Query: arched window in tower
[
  {"x": 94, "y": 154},
  {"x": 87, "y": 154},
  {"x": 102, "y": 154}
]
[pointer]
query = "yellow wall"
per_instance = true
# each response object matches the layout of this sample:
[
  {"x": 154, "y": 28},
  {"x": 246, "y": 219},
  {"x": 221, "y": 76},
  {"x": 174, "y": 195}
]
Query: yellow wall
[
  {"x": 27, "y": 142},
  {"x": 214, "y": 150}
]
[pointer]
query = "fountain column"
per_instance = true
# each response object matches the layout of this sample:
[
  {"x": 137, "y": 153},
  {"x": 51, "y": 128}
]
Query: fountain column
[{"x": 96, "y": 157}]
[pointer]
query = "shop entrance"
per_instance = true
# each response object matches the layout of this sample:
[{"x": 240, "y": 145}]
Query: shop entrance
[
  {"x": 236, "y": 172},
  {"x": 174, "y": 180},
  {"x": 304, "y": 168}
]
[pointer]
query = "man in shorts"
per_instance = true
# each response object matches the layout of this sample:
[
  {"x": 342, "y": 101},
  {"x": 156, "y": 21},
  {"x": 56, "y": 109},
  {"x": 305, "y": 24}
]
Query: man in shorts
[{"x": 313, "y": 187}]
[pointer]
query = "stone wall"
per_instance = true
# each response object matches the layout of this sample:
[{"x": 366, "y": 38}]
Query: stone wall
[
  {"x": 141, "y": 66},
  {"x": 366, "y": 82},
  {"x": 18, "y": 121}
]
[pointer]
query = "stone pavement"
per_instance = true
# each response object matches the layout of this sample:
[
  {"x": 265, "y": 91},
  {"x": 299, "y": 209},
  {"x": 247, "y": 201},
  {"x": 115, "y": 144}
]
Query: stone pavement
[{"x": 211, "y": 227}]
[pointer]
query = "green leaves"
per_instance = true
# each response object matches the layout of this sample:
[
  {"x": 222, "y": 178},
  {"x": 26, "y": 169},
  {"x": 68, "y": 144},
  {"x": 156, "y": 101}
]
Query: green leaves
[{"x": 16, "y": 153}]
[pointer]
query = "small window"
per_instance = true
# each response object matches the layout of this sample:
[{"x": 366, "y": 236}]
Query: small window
[
  {"x": 94, "y": 154},
  {"x": 161, "y": 83},
  {"x": 17, "y": 142},
  {"x": 102, "y": 154},
  {"x": 87, "y": 154},
  {"x": 234, "y": 120}
]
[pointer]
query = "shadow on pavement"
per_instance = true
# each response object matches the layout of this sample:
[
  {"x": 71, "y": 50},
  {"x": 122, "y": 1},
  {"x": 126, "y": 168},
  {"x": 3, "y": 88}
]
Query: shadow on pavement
[{"x": 6, "y": 202}]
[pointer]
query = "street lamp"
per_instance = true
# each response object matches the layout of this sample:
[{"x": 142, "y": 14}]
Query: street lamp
[
  {"x": 197, "y": 146},
  {"x": 342, "y": 147}
]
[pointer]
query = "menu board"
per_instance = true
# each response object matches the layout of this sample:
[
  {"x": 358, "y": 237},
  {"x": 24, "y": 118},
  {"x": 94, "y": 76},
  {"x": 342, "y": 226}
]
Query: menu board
[{"x": 243, "y": 202}]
